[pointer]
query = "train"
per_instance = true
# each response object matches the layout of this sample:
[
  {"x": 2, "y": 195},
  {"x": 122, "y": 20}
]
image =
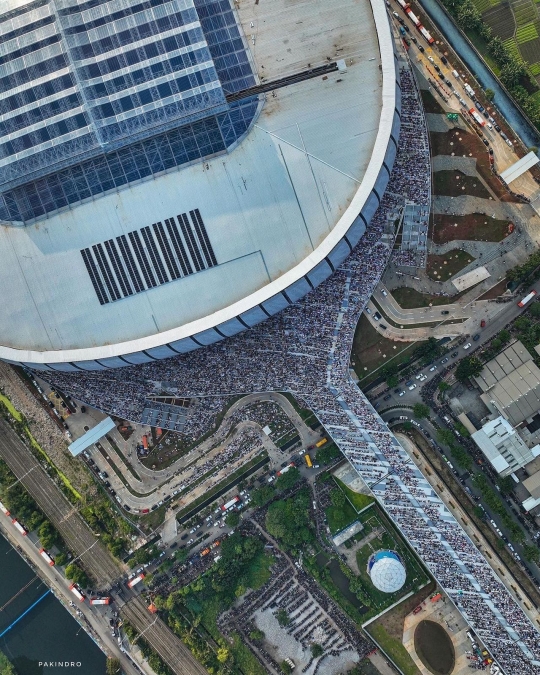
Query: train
[
  {"x": 77, "y": 592},
  {"x": 48, "y": 559},
  {"x": 21, "y": 528}
]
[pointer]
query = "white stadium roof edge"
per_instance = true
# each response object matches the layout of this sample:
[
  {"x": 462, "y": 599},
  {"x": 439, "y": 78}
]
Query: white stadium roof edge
[{"x": 271, "y": 298}]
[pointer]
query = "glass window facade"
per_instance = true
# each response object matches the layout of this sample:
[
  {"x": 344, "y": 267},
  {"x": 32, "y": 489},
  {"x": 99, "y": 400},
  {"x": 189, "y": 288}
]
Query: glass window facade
[{"x": 98, "y": 94}]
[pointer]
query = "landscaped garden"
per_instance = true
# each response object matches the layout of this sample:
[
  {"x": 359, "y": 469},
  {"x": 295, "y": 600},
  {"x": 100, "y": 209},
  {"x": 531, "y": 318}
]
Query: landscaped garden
[{"x": 444, "y": 267}]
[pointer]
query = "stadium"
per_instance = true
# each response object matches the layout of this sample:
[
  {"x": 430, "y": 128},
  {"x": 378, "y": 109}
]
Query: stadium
[{"x": 173, "y": 172}]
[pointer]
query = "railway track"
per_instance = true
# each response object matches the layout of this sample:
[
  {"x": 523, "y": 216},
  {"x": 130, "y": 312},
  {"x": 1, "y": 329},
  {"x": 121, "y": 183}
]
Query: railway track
[
  {"x": 63, "y": 515},
  {"x": 169, "y": 647}
]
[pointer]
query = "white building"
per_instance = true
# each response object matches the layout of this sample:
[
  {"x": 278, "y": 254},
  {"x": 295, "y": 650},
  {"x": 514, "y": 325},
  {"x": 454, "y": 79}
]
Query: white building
[{"x": 503, "y": 447}]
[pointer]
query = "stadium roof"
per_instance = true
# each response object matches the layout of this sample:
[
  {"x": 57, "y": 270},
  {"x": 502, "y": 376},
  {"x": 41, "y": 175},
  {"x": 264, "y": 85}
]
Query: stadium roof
[{"x": 183, "y": 257}]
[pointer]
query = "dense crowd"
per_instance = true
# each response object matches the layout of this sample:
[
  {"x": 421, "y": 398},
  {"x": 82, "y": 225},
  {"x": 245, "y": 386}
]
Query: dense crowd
[{"x": 306, "y": 350}]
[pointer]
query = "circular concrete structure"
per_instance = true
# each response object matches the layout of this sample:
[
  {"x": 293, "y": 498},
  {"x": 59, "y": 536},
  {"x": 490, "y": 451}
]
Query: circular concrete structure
[{"x": 108, "y": 261}]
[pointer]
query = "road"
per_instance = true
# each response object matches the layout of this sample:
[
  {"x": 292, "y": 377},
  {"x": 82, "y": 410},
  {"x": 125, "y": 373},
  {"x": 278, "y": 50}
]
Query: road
[{"x": 94, "y": 556}]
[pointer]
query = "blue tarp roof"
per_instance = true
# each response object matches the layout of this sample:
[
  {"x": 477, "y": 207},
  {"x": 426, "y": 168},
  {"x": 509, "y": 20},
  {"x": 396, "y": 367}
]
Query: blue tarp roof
[{"x": 91, "y": 436}]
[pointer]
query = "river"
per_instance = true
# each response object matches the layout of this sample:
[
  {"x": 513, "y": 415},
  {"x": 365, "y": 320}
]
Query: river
[
  {"x": 48, "y": 633},
  {"x": 460, "y": 45}
]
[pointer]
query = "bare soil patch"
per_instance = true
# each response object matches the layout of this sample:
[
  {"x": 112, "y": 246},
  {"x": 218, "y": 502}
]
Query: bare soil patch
[
  {"x": 495, "y": 291},
  {"x": 472, "y": 227},
  {"x": 456, "y": 184}
]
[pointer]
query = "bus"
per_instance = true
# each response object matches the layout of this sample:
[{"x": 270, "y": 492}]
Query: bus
[
  {"x": 77, "y": 592},
  {"x": 21, "y": 528},
  {"x": 145, "y": 442},
  {"x": 4, "y": 510},
  {"x": 526, "y": 299},
  {"x": 100, "y": 601},
  {"x": 43, "y": 553},
  {"x": 309, "y": 463},
  {"x": 135, "y": 580},
  {"x": 321, "y": 442}
]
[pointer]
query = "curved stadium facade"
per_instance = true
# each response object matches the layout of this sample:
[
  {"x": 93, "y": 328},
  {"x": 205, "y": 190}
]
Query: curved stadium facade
[{"x": 173, "y": 172}]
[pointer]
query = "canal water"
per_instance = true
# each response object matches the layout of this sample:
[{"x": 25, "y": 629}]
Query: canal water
[
  {"x": 48, "y": 633},
  {"x": 477, "y": 67}
]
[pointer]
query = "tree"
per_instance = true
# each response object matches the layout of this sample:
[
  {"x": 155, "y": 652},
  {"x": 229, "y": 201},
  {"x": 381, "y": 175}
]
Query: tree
[
  {"x": 490, "y": 94},
  {"x": 392, "y": 381},
  {"x": 75, "y": 574},
  {"x": 286, "y": 667},
  {"x": 316, "y": 650},
  {"x": 407, "y": 425},
  {"x": 222, "y": 654},
  {"x": 113, "y": 667},
  {"x": 444, "y": 386},
  {"x": 420, "y": 410},
  {"x": 506, "y": 485},
  {"x": 532, "y": 553},
  {"x": 261, "y": 496},
  {"x": 445, "y": 436},
  {"x": 469, "y": 367},
  {"x": 337, "y": 497},
  {"x": 479, "y": 513},
  {"x": 534, "y": 309},
  {"x": 61, "y": 558},
  {"x": 232, "y": 518},
  {"x": 288, "y": 480},
  {"x": 6, "y": 668},
  {"x": 504, "y": 336},
  {"x": 256, "y": 635},
  {"x": 282, "y": 617},
  {"x": 290, "y": 520},
  {"x": 47, "y": 534}
]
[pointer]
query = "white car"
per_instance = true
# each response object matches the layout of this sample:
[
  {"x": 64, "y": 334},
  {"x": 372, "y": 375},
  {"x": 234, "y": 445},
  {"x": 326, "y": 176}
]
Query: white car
[
  {"x": 402, "y": 393},
  {"x": 430, "y": 58},
  {"x": 418, "y": 377},
  {"x": 384, "y": 292},
  {"x": 432, "y": 369},
  {"x": 467, "y": 345},
  {"x": 368, "y": 310},
  {"x": 424, "y": 377},
  {"x": 413, "y": 386}
]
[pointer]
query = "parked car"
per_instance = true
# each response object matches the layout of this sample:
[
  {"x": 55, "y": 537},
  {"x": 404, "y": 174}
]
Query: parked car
[
  {"x": 445, "y": 311},
  {"x": 433, "y": 367},
  {"x": 476, "y": 337},
  {"x": 453, "y": 355},
  {"x": 413, "y": 386},
  {"x": 444, "y": 60},
  {"x": 467, "y": 345},
  {"x": 482, "y": 323}
]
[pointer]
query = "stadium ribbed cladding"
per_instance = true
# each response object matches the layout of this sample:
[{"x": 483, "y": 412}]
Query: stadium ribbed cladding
[{"x": 117, "y": 267}]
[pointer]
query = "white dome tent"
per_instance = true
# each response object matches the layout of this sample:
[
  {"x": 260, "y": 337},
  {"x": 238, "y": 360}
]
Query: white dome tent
[{"x": 387, "y": 572}]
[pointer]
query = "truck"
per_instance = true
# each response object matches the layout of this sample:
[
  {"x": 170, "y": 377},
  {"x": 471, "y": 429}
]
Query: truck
[
  {"x": 469, "y": 90},
  {"x": 145, "y": 442},
  {"x": 526, "y": 299},
  {"x": 309, "y": 463},
  {"x": 229, "y": 505},
  {"x": 77, "y": 592},
  {"x": 100, "y": 601},
  {"x": 136, "y": 580},
  {"x": 477, "y": 117},
  {"x": 21, "y": 528},
  {"x": 321, "y": 442},
  {"x": 4, "y": 510},
  {"x": 43, "y": 553}
]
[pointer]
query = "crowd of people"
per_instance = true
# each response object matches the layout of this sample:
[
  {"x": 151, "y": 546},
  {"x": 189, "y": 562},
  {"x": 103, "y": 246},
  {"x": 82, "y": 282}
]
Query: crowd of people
[{"x": 306, "y": 350}]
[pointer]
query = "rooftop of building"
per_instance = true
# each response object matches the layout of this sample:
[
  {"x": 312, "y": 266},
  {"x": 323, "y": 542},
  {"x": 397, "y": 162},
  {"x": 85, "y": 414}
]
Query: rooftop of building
[{"x": 271, "y": 208}]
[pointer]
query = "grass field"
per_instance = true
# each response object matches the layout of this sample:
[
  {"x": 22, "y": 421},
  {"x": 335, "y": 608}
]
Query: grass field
[
  {"x": 395, "y": 649},
  {"x": 444, "y": 267},
  {"x": 371, "y": 350},
  {"x": 526, "y": 33},
  {"x": 358, "y": 500},
  {"x": 410, "y": 298},
  {"x": 471, "y": 227}
]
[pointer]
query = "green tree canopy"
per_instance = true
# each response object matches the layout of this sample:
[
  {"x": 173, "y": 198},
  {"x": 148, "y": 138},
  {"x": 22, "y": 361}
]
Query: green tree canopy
[
  {"x": 232, "y": 518},
  {"x": 113, "y": 667},
  {"x": 288, "y": 479},
  {"x": 316, "y": 650},
  {"x": 289, "y": 520},
  {"x": 420, "y": 410},
  {"x": 282, "y": 617},
  {"x": 469, "y": 367},
  {"x": 261, "y": 496}
]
